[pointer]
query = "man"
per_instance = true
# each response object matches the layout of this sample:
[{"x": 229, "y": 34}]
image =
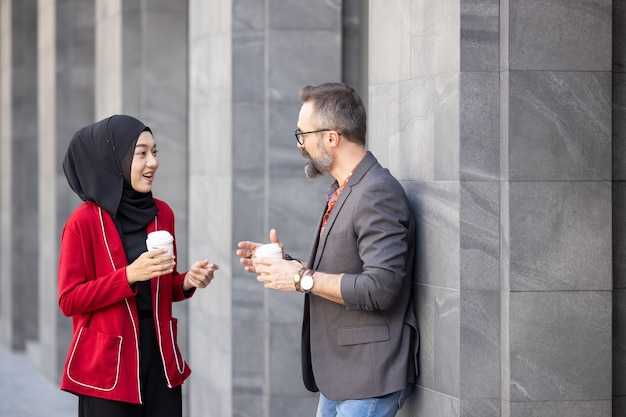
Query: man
[{"x": 359, "y": 334}]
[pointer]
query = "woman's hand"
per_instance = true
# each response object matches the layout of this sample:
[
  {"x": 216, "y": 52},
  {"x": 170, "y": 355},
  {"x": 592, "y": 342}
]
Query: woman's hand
[
  {"x": 199, "y": 275},
  {"x": 149, "y": 265}
]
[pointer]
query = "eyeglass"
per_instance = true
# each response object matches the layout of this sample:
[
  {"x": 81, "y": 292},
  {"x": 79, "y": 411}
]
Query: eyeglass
[{"x": 300, "y": 135}]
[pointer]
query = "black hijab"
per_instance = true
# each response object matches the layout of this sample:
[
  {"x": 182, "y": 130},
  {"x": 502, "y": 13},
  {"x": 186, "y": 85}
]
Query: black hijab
[{"x": 97, "y": 167}]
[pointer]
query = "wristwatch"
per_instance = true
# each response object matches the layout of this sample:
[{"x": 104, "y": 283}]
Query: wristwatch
[{"x": 306, "y": 282}]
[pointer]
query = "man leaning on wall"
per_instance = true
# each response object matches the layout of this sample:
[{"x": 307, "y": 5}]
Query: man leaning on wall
[{"x": 359, "y": 331}]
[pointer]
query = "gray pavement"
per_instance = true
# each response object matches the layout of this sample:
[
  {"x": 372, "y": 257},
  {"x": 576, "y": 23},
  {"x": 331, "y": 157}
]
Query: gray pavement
[{"x": 24, "y": 392}]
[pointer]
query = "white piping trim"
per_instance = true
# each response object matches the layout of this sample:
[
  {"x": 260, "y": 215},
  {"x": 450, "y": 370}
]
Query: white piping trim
[
  {"x": 106, "y": 242},
  {"x": 158, "y": 328},
  {"x": 132, "y": 320}
]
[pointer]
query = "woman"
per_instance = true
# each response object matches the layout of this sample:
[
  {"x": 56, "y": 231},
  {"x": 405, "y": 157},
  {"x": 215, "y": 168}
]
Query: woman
[{"x": 123, "y": 359}]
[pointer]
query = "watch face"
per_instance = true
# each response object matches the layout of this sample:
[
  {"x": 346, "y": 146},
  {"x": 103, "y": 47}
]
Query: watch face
[{"x": 306, "y": 282}]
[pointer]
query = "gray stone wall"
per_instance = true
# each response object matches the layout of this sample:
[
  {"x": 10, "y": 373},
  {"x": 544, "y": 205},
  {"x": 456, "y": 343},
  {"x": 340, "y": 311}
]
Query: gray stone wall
[
  {"x": 497, "y": 115},
  {"x": 502, "y": 119},
  {"x": 619, "y": 204}
]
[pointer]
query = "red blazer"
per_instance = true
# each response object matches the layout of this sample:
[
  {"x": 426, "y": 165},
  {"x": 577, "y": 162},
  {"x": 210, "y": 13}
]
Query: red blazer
[{"x": 103, "y": 358}]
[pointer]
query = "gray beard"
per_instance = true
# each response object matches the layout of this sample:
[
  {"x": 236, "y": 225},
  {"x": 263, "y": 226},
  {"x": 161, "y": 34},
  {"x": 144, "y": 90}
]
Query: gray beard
[{"x": 318, "y": 167}]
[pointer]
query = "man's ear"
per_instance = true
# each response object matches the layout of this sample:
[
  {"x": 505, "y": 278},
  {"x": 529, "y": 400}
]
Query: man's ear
[{"x": 333, "y": 138}]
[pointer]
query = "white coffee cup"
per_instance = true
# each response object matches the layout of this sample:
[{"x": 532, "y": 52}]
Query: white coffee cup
[
  {"x": 161, "y": 239},
  {"x": 270, "y": 250}
]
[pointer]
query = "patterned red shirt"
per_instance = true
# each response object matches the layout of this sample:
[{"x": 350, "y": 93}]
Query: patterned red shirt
[{"x": 333, "y": 193}]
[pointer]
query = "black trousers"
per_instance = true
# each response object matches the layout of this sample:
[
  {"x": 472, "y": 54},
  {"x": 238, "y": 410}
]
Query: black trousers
[{"x": 158, "y": 399}]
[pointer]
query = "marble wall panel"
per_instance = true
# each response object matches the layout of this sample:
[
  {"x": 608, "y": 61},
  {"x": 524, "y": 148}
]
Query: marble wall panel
[
  {"x": 297, "y": 205},
  {"x": 479, "y": 126},
  {"x": 414, "y": 127},
  {"x": 447, "y": 341},
  {"x": 435, "y": 37},
  {"x": 389, "y": 55},
  {"x": 284, "y": 158},
  {"x": 304, "y": 15},
  {"x": 249, "y": 66},
  {"x": 250, "y": 350},
  {"x": 248, "y": 196},
  {"x": 249, "y": 147},
  {"x": 284, "y": 308},
  {"x": 563, "y": 408},
  {"x": 560, "y": 345},
  {"x": 423, "y": 300},
  {"x": 480, "y": 407},
  {"x": 560, "y": 125},
  {"x": 619, "y": 34},
  {"x": 49, "y": 315},
  {"x": 301, "y": 57},
  {"x": 618, "y": 126},
  {"x": 401, "y": 127},
  {"x": 480, "y": 35},
  {"x": 354, "y": 68},
  {"x": 66, "y": 103},
  {"x": 560, "y": 35},
  {"x": 293, "y": 405},
  {"x": 560, "y": 236},
  {"x": 480, "y": 235},
  {"x": 210, "y": 84},
  {"x": 19, "y": 198},
  {"x": 505, "y": 123},
  {"x": 429, "y": 403},
  {"x": 480, "y": 347},
  {"x": 447, "y": 127},
  {"x": 248, "y": 15},
  {"x": 436, "y": 208},
  {"x": 285, "y": 376},
  {"x": 132, "y": 56},
  {"x": 212, "y": 193},
  {"x": 619, "y": 344},
  {"x": 619, "y": 406},
  {"x": 210, "y": 358},
  {"x": 108, "y": 48},
  {"x": 619, "y": 234}
]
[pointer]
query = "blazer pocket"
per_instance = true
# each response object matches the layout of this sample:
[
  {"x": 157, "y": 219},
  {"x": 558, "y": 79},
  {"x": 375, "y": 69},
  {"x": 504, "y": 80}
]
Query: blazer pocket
[
  {"x": 95, "y": 360},
  {"x": 362, "y": 334}
]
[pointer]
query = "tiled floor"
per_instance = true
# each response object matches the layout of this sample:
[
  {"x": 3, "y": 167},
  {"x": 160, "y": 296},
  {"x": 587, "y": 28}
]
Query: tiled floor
[{"x": 24, "y": 392}]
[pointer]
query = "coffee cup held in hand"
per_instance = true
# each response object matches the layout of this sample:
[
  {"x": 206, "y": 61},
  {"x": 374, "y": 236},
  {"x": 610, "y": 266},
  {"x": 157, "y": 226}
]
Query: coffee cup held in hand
[
  {"x": 161, "y": 239},
  {"x": 271, "y": 250}
]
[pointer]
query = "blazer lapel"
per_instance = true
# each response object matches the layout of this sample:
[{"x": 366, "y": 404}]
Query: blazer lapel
[{"x": 368, "y": 161}]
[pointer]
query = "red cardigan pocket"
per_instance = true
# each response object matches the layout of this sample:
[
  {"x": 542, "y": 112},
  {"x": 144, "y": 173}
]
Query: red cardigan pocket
[{"x": 95, "y": 360}]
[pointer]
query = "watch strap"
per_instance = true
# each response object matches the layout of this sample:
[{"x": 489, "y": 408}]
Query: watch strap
[{"x": 297, "y": 278}]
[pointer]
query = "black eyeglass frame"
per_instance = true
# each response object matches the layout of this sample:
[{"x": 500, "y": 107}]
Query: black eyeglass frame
[{"x": 299, "y": 135}]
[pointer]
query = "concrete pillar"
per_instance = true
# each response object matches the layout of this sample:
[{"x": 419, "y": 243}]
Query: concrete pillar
[
  {"x": 619, "y": 205},
  {"x": 248, "y": 62},
  {"x": 18, "y": 165},
  {"x": 497, "y": 117},
  {"x": 66, "y": 103},
  {"x": 556, "y": 240}
]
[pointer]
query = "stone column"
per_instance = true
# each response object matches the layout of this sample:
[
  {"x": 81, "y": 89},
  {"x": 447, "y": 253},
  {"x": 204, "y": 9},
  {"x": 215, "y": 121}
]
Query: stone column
[
  {"x": 496, "y": 115},
  {"x": 556, "y": 208},
  {"x": 619, "y": 205},
  {"x": 18, "y": 168},
  {"x": 248, "y": 62},
  {"x": 66, "y": 103}
]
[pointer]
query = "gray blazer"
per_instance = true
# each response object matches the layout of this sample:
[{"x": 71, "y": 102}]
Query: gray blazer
[{"x": 367, "y": 347}]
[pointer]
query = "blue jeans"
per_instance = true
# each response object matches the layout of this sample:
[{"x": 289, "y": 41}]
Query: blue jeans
[{"x": 385, "y": 406}]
